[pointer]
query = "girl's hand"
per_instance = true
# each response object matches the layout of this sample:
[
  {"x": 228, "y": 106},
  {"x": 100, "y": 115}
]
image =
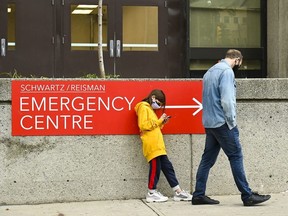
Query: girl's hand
[
  {"x": 163, "y": 117},
  {"x": 165, "y": 121}
]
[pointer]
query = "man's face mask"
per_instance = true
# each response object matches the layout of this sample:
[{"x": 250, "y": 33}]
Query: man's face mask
[{"x": 236, "y": 66}]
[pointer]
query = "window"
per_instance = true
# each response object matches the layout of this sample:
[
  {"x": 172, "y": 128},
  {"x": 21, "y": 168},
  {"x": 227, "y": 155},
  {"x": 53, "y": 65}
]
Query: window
[
  {"x": 140, "y": 28},
  {"x": 217, "y": 25},
  {"x": 84, "y": 27}
]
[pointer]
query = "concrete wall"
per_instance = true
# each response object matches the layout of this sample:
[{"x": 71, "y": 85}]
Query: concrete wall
[{"x": 80, "y": 168}]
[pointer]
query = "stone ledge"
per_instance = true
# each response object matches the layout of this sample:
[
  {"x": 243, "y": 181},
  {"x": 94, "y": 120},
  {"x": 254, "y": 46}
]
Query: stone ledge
[
  {"x": 272, "y": 88},
  {"x": 262, "y": 88}
]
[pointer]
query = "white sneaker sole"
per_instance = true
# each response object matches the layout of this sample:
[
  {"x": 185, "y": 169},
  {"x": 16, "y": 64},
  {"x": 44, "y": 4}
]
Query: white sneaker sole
[{"x": 150, "y": 200}]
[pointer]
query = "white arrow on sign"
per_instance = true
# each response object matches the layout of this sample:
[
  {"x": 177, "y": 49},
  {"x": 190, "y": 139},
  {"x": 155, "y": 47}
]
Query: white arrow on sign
[{"x": 199, "y": 106}]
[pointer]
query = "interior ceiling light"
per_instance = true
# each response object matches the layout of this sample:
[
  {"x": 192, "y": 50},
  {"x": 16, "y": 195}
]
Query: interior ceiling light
[
  {"x": 87, "y": 6},
  {"x": 84, "y": 9},
  {"x": 9, "y": 10},
  {"x": 81, "y": 11}
]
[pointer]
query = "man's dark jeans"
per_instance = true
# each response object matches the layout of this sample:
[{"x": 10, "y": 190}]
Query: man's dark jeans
[{"x": 228, "y": 140}]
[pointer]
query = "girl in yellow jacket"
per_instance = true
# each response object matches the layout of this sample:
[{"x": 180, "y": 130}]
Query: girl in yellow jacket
[{"x": 154, "y": 147}]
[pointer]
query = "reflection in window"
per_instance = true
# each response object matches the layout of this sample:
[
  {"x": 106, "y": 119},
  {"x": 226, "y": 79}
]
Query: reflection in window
[
  {"x": 140, "y": 28},
  {"x": 204, "y": 65},
  {"x": 225, "y": 23},
  {"x": 11, "y": 27},
  {"x": 84, "y": 27}
]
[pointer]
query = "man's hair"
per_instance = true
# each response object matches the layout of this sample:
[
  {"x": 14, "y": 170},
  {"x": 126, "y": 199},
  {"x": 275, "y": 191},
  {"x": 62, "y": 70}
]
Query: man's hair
[{"x": 233, "y": 53}]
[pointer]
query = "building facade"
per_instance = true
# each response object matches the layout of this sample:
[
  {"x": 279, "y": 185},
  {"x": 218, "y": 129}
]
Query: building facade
[{"x": 141, "y": 38}]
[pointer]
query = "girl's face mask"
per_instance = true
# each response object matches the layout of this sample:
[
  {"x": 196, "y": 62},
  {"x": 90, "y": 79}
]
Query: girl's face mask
[{"x": 155, "y": 104}]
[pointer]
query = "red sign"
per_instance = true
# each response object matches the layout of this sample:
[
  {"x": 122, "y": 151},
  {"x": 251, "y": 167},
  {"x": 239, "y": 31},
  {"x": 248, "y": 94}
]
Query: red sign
[{"x": 80, "y": 107}]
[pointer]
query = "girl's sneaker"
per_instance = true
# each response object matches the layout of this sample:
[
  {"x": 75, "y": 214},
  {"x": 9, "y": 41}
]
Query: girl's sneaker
[
  {"x": 155, "y": 197},
  {"x": 182, "y": 196}
]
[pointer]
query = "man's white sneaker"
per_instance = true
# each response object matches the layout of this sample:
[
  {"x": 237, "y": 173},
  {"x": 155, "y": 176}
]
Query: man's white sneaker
[
  {"x": 182, "y": 196},
  {"x": 155, "y": 197}
]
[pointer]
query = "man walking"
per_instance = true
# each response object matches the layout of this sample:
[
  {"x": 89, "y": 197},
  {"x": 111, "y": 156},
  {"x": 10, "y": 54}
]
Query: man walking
[{"x": 219, "y": 120}]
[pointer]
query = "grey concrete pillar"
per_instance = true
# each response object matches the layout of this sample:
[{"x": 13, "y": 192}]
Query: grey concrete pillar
[{"x": 277, "y": 28}]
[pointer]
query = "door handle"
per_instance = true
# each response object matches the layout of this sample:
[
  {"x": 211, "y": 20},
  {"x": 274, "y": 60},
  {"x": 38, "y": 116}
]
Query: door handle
[
  {"x": 3, "y": 47},
  {"x": 111, "y": 48},
  {"x": 118, "y": 48}
]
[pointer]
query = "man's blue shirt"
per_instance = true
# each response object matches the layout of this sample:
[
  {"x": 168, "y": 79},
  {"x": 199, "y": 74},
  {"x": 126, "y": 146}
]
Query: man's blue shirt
[{"x": 219, "y": 96}]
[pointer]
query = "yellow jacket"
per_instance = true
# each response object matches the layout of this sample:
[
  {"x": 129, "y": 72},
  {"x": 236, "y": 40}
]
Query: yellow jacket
[{"x": 150, "y": 131}]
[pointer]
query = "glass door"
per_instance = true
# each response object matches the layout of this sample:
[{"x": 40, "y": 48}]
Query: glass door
[
  {"x": 59, "y": 38},
  {"x": 80, "y": 38},
  {"x": 140, "y": 39},
  {"x": 7, "y": 37},
  {"x": 26, "y": 29},
  {"x": 134, "y": 43}
]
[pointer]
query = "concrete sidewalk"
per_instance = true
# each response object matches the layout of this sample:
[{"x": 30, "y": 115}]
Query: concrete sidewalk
[{"x": 229, "y": 205}]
